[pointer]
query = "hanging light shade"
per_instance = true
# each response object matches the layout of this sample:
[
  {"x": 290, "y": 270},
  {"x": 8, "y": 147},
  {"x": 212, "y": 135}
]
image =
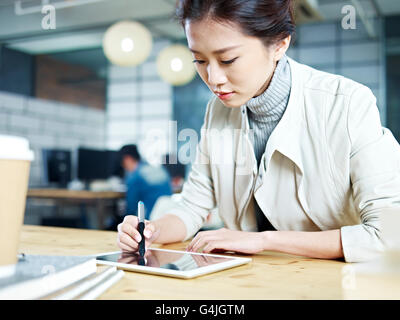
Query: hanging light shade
[
  {"x": 175, "y": 66},
  {"x": 127, "y": 43}
]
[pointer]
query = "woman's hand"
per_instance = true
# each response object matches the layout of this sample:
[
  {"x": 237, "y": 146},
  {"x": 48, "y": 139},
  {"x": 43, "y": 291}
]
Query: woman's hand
[
  {"x": 227, "y": 240},
  {"x": 129, "y": 237}
]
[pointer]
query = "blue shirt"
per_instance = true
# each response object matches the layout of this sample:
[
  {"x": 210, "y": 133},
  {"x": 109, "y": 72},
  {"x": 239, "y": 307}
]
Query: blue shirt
[{"x": 147, "y": 184}]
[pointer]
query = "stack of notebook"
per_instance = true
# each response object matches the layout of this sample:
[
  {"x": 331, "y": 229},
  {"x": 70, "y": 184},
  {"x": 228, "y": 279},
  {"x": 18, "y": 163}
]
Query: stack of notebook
[{"x": 57, "y": 277}]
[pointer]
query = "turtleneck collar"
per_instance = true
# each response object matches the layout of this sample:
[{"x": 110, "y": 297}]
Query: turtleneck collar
[{"x": 271, "y": 104}]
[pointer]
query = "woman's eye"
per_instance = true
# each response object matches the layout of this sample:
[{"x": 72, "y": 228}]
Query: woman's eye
[
  {"x": 223, "y": 62},
  {"x": 228, "y": 61}
]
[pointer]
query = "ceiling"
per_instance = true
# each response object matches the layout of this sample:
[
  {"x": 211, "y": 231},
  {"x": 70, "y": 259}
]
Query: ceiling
[
  {"x": 79, "y": 31},
  {"x": 88, "y": 21},
  {"x": 81, "y": 24}
]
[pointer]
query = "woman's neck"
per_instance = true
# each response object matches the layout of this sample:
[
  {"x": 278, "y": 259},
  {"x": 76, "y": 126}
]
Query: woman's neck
[
  {"x": 271, "y": 103},
  {"x": 266, "y": 84}
]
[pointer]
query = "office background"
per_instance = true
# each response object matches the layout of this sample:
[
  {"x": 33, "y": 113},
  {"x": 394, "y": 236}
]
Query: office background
[{"x": 59, "y": 90}]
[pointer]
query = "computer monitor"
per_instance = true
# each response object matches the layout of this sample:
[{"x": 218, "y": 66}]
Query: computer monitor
[
  {"x": 56, "y": 167},
  {"x": 114, "y": 164},
  {"x": 98, "y": 164}
]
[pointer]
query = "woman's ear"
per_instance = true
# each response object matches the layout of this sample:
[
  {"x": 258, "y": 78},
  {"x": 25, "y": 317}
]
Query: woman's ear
[{"x": 281, "y": 47}]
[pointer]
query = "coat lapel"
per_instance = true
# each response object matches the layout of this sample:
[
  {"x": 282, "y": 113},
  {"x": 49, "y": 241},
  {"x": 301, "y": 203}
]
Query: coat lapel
[
  {"x": 286, "y": 138},
  {"x": 245, "y": 166}
]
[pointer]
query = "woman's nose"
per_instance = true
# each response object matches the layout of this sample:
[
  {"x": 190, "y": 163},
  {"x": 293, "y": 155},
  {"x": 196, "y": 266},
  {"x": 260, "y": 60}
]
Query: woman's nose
[{"x": 216, "y": 76}]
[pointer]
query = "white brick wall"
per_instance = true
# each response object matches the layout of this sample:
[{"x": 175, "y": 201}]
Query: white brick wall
[
  {"x": 122, "y": 110},
  {"x": 149, "y": 69},
  {"x": 121, "y": 128},
  {"x": 126, "y": 89},
  {"x": 40, "y": 107},
  {"x": 22, "y": 121},
  {"x": 115, "y": 72},
  {"x": 70, "y": 112},
  {"x": 50, "y": 124},
  {"x": 3, "y": 122},
  {"x": 156, "y": 88},
  {"x": 157, "y": 108},
  {"x": 55, "y": 127},
  {"x": 138, "y": 100},
  {"x": 12, "y": 103},
  {"x": 93, "y": 117}
]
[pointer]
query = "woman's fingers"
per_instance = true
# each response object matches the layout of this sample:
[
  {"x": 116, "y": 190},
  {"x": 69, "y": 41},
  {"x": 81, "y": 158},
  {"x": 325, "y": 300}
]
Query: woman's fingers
[
  {"x": 127, "y": 241},
  {"x": 132, "y": 220},
  {"x": 212, "y": 245},
  {"x": 129, "y": 226},
  {"x": 129, "y": 237},
  {"x": 203, "y": 238},
  {"x": 194, "y": 240},
  {"x": 128, "y": 229},
  {"x": 149, "y": 230},
  {"x": 201, "y": 241},
  {"x": 124, "y": 247}
]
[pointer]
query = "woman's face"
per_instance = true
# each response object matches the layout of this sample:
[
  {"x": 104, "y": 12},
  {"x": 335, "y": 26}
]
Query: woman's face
[{"x": 230, "y": 62}]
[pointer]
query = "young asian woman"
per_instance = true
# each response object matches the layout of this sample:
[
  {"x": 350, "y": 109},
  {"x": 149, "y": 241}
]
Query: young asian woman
[{"x": 312, "y": 167}]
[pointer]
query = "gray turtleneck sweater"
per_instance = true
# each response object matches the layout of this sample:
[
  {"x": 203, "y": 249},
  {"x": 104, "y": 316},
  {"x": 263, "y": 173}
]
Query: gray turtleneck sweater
[{"x": 265, "y": 111}]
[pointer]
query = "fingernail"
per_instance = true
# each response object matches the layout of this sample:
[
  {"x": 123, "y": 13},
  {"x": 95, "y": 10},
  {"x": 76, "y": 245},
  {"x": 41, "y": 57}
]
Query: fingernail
[{"x": 138, "y": 238}]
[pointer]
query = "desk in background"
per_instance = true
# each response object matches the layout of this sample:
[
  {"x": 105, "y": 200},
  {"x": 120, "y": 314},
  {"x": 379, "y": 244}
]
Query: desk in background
[{"x": 99, "y": 199}]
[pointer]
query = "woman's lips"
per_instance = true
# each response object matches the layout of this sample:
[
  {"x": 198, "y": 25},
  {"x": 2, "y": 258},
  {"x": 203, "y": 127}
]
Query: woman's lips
[{"x": 225, "y": 96}]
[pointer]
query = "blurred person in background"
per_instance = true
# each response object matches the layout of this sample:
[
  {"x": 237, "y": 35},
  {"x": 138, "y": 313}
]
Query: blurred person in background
[
  {"x": 144, "y": 182},
  {"x": 177, "y": 172}
]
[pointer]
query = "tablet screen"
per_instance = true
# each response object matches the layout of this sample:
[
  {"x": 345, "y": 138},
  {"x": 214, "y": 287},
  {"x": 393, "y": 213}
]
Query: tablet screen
[{"x": 181, "y": 261}]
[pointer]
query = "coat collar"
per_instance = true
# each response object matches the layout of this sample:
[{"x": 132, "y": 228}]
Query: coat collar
[{"x": 286, "y": 136}]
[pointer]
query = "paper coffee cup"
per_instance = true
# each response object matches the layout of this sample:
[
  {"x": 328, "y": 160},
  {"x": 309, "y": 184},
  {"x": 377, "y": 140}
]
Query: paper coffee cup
[{"x": 15, "y": 159}]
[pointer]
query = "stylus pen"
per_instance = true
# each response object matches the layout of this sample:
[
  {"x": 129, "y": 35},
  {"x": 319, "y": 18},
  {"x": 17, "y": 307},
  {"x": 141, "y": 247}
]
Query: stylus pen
[{"x": 142, "y": 248}]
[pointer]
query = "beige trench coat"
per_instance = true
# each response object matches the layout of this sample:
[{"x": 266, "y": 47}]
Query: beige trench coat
[{"x": 329, "y": 164}]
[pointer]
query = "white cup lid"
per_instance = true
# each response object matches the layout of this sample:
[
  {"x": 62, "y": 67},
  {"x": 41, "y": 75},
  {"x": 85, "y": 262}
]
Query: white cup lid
[{"x": 15, "y": 148}]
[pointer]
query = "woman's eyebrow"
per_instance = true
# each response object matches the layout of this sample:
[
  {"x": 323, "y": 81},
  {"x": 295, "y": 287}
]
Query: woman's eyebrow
[{"x": 219, "y": 50}]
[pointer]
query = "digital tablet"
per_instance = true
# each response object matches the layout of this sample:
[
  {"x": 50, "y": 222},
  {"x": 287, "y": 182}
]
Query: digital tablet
[{"x": 179, "y": 264}]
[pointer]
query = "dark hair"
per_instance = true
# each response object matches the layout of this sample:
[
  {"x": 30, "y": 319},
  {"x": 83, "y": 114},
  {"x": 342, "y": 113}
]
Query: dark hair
[
  {"x": 130, "y": 150},
  {"x": 175, "y": 169},
  {"x": 268, "y": 20}
]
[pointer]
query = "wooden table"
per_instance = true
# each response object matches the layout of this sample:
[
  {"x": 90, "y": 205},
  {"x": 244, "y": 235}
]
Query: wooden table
[
  {"x": 268, "y": 276},
  {"x": 99, "y": 199}
]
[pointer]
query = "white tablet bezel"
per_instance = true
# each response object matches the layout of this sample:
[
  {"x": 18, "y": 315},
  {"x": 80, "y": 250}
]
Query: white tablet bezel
[{"x": 183, "y": 274}]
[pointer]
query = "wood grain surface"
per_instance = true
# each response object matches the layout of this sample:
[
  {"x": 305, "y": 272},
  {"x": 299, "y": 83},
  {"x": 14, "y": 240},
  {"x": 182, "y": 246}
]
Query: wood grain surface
[
  {"x": 73, "y": 194},
  {"x": 269, "y": 276}
]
